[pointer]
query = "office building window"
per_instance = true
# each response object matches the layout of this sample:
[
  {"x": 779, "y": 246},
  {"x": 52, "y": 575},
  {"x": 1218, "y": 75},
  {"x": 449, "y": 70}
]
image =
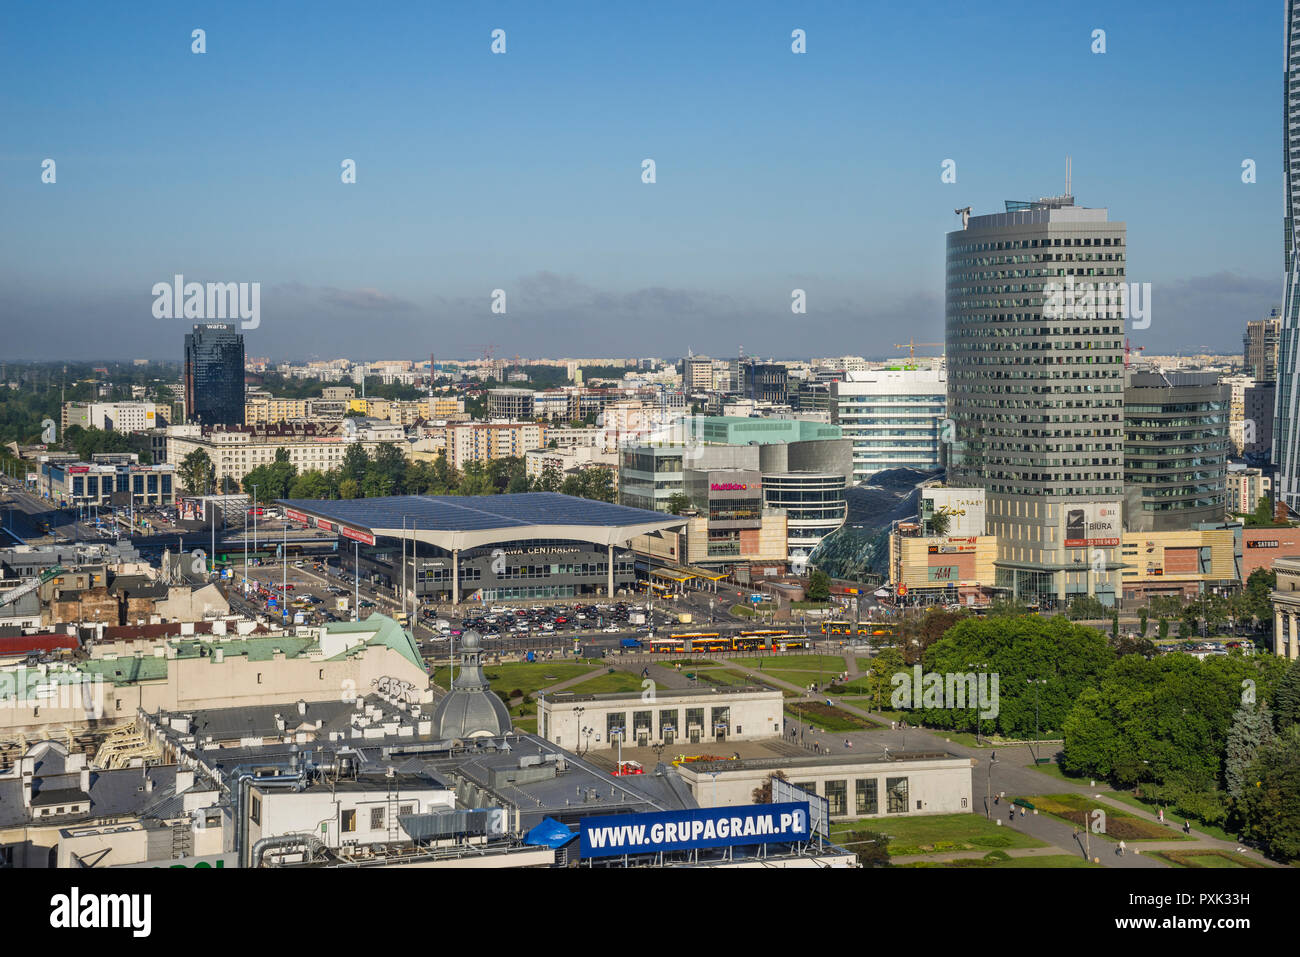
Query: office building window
[
  {"x": 896, "y": 791},
  {"x": 837, "y": 797},
  {"x": 868, "y": 800}
]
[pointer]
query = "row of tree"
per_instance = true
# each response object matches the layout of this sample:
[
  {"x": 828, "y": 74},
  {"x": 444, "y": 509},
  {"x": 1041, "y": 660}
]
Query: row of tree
[
  {"x": 1215, "y": 738},
  {"x": 388, "y": 472}
]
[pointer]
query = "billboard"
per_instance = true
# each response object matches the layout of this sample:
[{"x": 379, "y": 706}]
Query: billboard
[
  {"x": 295, "y": 516},
  {"x": 365, "y": 538},
  {"x": 819, "y": 808},
  {"x": 963, "y": 506},
  {"x": 1092, "y": 524},
  {"x": 619, "y": 834}
]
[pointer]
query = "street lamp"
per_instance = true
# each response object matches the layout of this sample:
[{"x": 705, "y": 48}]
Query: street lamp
[{"x": 1036, "y": 682}]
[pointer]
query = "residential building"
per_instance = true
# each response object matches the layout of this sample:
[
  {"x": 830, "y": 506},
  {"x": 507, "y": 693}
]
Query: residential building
[
  {"x": 1246, "y": 488},
  {"x": 1260, "y": 347},
  {"x": 236, "y": 451},
  {"x": 115, "y": 416}
]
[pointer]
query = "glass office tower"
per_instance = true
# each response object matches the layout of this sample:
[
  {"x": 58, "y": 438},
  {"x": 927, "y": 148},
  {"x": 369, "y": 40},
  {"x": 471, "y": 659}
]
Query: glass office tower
[
  {"x": 1286, "y": 436},
  {"x": 214, "y": 375}
]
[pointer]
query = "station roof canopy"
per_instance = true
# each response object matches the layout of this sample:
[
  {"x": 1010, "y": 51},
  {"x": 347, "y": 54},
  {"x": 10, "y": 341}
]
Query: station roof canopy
[{"x": 473, "y": 521}]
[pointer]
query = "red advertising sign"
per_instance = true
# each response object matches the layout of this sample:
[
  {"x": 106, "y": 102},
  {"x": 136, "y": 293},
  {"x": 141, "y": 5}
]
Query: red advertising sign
[
  {"x": 295, "y": 516},
  {"x": 365, "y": 538},
  {"x": 328, "y": 526}
]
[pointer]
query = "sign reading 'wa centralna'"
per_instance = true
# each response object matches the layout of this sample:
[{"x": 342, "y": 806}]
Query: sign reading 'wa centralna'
[{"x": 682, "y": 830}]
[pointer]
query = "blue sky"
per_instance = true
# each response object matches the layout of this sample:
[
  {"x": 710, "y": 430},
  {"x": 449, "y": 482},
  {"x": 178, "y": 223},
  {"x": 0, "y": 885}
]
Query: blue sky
[{"x": 522, "y": 171}]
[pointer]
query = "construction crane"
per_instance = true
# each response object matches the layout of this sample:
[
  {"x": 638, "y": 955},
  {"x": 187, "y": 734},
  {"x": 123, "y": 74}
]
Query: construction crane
[
  {"x": 1128, "y": 350},
  {"x": 911, "y": 345}
]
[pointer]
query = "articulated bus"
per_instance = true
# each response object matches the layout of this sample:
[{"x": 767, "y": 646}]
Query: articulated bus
[
  {"x": 863, "y": 629},
  {"x": 705, "y": 642}
]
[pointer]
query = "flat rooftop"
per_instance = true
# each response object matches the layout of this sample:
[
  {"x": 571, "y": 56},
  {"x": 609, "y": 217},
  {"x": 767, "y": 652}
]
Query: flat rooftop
[
  {"x": 469, "y": 521},
  {"x": 562, "y": 697}
]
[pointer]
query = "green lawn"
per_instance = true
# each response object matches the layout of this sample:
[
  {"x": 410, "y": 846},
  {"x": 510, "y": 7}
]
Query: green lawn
[
  {"x": 1174, "y": 820},
  {"x": 1209, "y": 859},
  {"x": 525, "y": 676},
  {"x": 938, "y": 833},
  {"x": 993, "y": 861},
  {"x": 828, "y": 664},
  {"x": 829, "y": 719},
  {"x": 727, "y": 678},
  {"x": 1077, "y": 809}
]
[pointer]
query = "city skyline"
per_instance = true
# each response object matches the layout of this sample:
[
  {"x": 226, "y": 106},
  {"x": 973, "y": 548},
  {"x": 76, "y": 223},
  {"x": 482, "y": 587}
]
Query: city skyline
[{"x": 820, "y": 171}]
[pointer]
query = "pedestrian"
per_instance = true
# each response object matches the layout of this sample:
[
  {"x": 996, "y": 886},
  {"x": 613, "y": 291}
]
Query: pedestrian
[
  {"x": 1022, "y": 811},
  {"x": 1121, "y": 847},
  {"x": 846, "y": 744},
  {"x": 1187, "y": 826},
  {"x": 1161, "y": 815},
  {"x": 1012, "y": 814}
]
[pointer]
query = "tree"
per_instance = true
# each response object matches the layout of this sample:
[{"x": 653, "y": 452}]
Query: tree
[
  {"x": 918, "y": 634},
  {"x": 1143, "y": 622},
  {"x": 1085, "y": 608},
  {"x": 939, "y": 523},
  {"x": 763, "y": 793},
  {"x": 1114, "y": 625},
  {"x": 1164, "y": 720},
  {"x": 1069, "y": 659},
  {"x": 196, "y": 472},
  {"x": 349, "y": 488},
  {"x": 310, "y": 484},
  {"x": 819, "y": 586},
  {"x": 1163, "y": 631},
  {"x": 880, "y": 675},
  {"x": 1133, "y": 646},
  {"x": 678, "y": 502},
  {"x": 1251, "y": 731},
  {"x": 550, "y": 480},
  {"x": 1270, "y": 802},
  {"x": 871, "y": 847},
  {"x": 355, "y": 463},
  {"x": 1286, "y": 698}
]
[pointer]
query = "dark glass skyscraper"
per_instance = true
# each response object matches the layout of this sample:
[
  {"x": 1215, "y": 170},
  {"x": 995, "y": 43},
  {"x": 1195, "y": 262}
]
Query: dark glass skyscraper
[
  {"x": 1286, "y": 435},
  {"x": 214, "y": 375}
]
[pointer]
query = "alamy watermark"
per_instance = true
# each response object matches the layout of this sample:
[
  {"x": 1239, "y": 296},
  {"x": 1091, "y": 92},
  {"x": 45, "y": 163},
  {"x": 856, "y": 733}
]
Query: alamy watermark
[
  {"x": 950, "y": 690},
  {"x": 208, "y": 301},
  {"x": 1105, "y": 300}
]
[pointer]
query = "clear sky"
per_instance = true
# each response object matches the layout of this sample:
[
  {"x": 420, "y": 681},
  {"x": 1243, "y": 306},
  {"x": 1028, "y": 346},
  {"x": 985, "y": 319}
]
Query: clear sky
[{"x": 523, "y": 171}]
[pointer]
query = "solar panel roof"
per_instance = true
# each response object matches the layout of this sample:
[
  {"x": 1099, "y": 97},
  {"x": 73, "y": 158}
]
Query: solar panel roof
[{"x": 475, "y": 512}]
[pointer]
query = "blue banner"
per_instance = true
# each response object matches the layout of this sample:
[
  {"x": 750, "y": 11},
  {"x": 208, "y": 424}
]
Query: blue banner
[{"x": 681, "y": 830}]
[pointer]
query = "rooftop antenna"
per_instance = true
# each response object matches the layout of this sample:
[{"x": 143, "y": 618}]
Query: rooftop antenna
[
  {"x": 964, "y": 213},
  {"x": 1068, "y": 178}
]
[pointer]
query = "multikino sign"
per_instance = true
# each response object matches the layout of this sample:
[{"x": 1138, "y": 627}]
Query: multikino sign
[{"x": 684, "y": 830}]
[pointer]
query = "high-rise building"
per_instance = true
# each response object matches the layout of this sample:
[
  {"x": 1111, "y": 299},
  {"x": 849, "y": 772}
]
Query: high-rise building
[
  {"x": 1259, "y": 347},
  {"x": 697, "y": 373},
  {"x": 893, "y": 417},
  {"x": 1036, "y": 392},
  {"x": 1286, "y": 423},
  {"x": 765, "y": 382},
  {"x": 1175, "y": 450},
  {"x": 214, "y": 375}
]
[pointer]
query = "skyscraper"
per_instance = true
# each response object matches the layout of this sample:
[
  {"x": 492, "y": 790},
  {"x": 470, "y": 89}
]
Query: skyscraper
[
  {"x": 1286, "y": 433},
  {"x": 214, "y": 374},
  {"x": 1259, "y": 347},
  {"x": 1036, "y": 393}
]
